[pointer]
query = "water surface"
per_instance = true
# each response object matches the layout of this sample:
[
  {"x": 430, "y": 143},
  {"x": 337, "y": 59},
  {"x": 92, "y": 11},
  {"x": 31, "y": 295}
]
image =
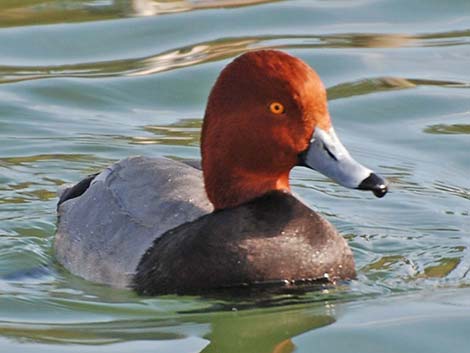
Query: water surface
[{"x": 85, "y": 83}]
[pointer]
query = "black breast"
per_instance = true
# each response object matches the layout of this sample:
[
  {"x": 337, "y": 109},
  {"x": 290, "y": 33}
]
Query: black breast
[{"x": 272, "y": 238}]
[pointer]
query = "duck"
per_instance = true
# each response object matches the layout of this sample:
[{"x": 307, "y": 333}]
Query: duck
[{"x": 162, "y": 226}]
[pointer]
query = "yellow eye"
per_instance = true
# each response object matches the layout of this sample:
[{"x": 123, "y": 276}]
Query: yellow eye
[{"x": 276, "y": 108}]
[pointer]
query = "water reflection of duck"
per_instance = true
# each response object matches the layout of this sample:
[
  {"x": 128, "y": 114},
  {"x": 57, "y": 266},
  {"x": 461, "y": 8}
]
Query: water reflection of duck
[
  {"x": 261, "y": 331},
  {"x": 266, "y": 330},
  {"x": 148, "y": 222}
]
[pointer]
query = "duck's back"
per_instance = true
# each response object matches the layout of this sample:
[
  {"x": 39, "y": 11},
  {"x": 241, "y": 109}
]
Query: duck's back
[{"x": 103, "y": 233}]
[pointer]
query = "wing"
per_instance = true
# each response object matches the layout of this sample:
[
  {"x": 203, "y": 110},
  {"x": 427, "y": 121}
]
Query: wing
[{"x": 114, "y": 217}]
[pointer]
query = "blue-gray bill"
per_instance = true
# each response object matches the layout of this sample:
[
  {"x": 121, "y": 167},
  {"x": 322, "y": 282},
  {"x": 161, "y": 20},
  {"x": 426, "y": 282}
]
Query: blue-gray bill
[{"x": 327, "y": 155}]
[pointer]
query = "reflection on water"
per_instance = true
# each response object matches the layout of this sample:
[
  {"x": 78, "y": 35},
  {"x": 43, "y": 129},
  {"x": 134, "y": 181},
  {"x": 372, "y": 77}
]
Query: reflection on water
[
  {"x": 181, "y": 57},
  {"x": 263, "y": 332},
  {"x": 397, "y": 263},
  {"x": 257, "y": 331},
  {"x": 33, "y": 12},
  {"x": 153, "y": 7},
  {"x": 43, "y": 188},
  {"x": 375, "y": 85},
  {"x": 43, "y": 157},
  {"x": 443, "y": 268},
  {"x": 454, "y": 190},
  {"x": 448, "y": 129},
  {"x": 185, "y": 132},
  {"x": 108, "y": 79},
  {"x": 221, "y": 49}
]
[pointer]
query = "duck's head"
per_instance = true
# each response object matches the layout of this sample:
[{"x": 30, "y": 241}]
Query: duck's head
[{"x": 266, "y": 114}]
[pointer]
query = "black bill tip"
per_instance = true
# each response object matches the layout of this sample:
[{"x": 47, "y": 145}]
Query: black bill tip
[{"x": 374, "y": 183}]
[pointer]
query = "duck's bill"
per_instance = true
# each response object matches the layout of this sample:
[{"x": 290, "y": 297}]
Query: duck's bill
[{"x": 327, "y": 155}]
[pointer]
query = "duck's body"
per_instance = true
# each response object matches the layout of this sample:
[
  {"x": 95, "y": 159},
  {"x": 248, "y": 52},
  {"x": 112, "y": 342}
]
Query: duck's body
[
  {"x": 147, "y": 223},
  {"x": 161, "y": 226},
  {"x": 272, "y": 239},
  {"x": 103, "y": 233}
]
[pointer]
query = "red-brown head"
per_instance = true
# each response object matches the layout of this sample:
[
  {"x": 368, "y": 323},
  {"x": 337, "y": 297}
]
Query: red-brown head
[{"x": 260, "y": 117}]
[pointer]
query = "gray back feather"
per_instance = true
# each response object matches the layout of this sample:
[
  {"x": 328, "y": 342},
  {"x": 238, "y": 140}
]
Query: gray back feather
[{"x": 102, "y": 235}]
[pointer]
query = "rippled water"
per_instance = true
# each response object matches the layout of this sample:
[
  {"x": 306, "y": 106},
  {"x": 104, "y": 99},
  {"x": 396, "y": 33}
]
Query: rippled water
[{"x": 84, "y": 83}]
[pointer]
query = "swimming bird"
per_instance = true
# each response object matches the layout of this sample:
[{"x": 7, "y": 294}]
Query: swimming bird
[{"x": 163, "y": 226}]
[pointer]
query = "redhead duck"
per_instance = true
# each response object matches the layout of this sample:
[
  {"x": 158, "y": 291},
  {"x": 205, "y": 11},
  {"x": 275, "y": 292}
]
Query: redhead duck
[{"x": 164, "y": 226}]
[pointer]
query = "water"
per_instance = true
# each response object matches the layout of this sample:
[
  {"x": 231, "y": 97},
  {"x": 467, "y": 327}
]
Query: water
[{"x": 84, "y": 83}]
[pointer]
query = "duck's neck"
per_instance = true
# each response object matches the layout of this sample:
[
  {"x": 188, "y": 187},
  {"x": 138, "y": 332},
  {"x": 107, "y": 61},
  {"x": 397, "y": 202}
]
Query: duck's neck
[{"x": 230, "y": 188}]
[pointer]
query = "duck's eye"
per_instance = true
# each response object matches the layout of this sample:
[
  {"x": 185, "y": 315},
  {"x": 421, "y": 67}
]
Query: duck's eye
[{"x": 276, "y": 108}]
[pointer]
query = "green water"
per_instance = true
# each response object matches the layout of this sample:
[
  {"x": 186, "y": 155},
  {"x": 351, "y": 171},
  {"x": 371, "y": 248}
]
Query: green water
[{"x": 85, "y": 83}]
